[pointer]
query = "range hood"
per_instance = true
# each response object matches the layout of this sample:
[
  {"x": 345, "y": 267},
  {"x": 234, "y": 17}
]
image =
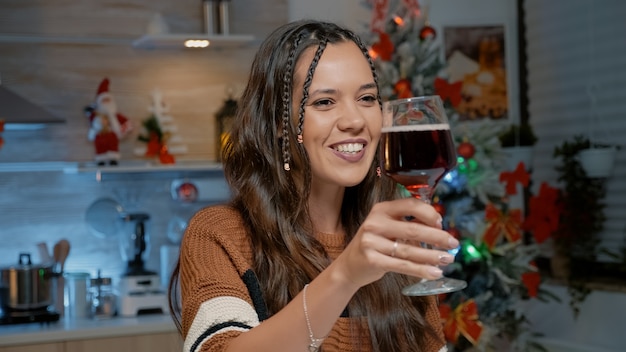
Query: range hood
[
  {"x": 216, "y": 31},
  {"x": 17, "y": 111}
]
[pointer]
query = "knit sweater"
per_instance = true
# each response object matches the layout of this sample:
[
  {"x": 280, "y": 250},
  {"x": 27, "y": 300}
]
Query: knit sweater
[{"x": 221, "y": 295}]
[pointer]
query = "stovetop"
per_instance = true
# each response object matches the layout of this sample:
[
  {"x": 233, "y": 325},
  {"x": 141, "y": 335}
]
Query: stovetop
[{"x": 43, "y": 316}]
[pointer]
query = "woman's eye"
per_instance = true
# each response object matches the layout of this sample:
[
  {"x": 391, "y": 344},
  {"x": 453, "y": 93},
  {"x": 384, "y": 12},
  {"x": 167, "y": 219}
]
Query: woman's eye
[
  {"x": 369, "y": 98},
  {"x": 322, "y": 102}
]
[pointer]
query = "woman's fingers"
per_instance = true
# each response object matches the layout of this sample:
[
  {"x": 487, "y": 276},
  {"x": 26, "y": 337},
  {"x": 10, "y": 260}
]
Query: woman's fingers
[
  {"x": 411, "y": 220},
  {"x": 408, "y": 224},
  {"x": 388, "y": 242},
  {"x": 414, "y": 252}
]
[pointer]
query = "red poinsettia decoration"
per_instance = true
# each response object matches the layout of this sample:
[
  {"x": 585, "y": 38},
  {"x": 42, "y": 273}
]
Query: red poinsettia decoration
[
  {"x": 463, "y": 320},
  {"x": 544, "y": 213},
  {"x": 384, "y": 48},
  {"x": 500, "y": 223}
]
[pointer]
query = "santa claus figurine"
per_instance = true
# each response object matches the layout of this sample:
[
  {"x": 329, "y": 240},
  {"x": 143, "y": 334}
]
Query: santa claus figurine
[{"x": 107, "y": 126}]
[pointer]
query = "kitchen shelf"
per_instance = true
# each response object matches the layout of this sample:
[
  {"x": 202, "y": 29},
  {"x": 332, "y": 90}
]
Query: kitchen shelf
[
  {"x": 150, "y": 170},
  {"x": 67, "y": 167},
  {"x": 39, "y": 39},
  {"x": 152, "y": 166},
  {"x": 148, "y": 41},
  {"x": 125, "y": 167}
]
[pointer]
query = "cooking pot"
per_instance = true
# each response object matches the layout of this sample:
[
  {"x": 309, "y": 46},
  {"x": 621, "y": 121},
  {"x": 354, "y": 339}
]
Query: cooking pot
[{"x": 26, "y": 286}]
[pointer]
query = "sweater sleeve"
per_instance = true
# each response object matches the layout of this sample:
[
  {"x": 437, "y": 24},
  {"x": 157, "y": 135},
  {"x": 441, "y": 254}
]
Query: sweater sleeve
[
  {"x": 216, "y": 301},
  {"x": 433, "y": 318}
]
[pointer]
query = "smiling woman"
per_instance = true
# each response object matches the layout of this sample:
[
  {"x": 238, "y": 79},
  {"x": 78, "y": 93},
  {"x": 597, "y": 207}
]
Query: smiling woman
[{"x": 306, "y": 246}]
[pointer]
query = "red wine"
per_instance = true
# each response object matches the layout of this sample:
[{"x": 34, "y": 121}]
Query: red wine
[{"x": 417, "y": 156}]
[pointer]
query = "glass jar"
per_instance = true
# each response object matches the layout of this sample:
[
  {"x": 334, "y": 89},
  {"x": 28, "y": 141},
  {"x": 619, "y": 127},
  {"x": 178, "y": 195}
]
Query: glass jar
[{"x": 103, "y": 298}]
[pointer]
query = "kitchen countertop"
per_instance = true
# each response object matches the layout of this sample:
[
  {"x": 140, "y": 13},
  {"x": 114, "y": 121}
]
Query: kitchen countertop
[{"x": 79, "y": 329}]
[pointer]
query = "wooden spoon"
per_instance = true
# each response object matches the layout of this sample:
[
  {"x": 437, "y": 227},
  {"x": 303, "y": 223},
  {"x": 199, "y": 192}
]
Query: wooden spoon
[{"x": 60, "y": 252}]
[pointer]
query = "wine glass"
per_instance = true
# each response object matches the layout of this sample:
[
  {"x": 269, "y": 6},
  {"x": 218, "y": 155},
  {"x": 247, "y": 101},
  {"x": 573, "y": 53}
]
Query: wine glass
[{"x": 416, "y": 151}]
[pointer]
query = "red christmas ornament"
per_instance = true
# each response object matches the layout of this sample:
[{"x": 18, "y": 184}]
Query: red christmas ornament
[
  {"x": 187, "y": 192},
  {"x": 466, "y": 150},
  {"x": 427, "y": 32},
  {"x": 402, "y": 88}
]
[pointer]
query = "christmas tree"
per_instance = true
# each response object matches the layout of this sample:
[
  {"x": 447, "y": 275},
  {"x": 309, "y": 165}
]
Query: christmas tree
[
  {"x": 482, "y": 200},
  {"x": 159, "y": 132}
]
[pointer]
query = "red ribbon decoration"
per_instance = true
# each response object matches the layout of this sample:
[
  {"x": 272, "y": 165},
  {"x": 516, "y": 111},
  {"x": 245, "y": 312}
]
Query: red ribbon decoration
[
  {"x": 544, "y": 213},
  {"x": 519, "y": 175},
  {"x": 450, "y": 91},
  {"x": 531, "y": 280},
  {"x": 500, "y": 223},
  {"x": 462, "y": 320}
]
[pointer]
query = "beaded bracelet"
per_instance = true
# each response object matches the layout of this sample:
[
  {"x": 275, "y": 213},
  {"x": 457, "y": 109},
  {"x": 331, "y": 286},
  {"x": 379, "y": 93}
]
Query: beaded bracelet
[{"x": 315, "y": 344}]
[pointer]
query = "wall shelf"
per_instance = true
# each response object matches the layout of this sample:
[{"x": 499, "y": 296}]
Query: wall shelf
[
  {"x": 148, "y": 41},
  {"x": 176, "y": 41},
  {"x": 125, "y": 167},
  {"x": 150, "y": 170},
  {"x": 39, "y": 39},
  {"x": 66, "y": 167}
]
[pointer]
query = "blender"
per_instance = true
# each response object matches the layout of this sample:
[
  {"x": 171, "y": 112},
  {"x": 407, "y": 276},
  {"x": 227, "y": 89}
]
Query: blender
[{"x": 140, "y": 290}]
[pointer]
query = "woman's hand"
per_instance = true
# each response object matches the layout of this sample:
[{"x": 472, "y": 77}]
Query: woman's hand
[{"x": 389, "y": 240}]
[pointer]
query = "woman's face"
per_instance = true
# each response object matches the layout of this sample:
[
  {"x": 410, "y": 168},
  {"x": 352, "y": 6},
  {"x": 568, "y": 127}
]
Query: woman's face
[{"x": 342, "y": 119}]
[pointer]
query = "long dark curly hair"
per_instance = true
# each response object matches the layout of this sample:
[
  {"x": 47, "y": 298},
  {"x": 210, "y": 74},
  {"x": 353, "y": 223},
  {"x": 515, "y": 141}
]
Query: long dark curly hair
[{"x": 273, "y": 201}]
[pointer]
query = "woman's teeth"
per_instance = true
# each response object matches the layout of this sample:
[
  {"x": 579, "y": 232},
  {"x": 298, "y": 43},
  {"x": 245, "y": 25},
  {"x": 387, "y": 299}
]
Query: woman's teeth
[{"x": 349, "y": 148}]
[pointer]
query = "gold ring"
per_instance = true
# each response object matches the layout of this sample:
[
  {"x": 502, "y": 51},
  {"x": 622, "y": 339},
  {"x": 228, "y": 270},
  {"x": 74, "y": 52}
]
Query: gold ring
[{"x": 395, "y": 247}]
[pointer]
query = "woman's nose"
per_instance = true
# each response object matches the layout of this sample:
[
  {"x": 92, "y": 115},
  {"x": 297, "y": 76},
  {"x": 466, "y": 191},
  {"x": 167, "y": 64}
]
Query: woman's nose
[{"x": 351, "y": 118}]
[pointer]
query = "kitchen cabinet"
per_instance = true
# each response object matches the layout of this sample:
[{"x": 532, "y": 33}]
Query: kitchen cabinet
[
  {"x": 164, "y": 342},
  {"x": 151, "y": 332},
  {"x": 160, "y": 342}
]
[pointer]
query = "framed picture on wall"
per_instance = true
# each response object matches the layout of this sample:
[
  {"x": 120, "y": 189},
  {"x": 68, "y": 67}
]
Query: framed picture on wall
[{"x": 478, "y": 66}]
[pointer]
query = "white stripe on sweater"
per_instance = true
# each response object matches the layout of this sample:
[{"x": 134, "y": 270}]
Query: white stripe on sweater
[{"x": 216, "y": 311}]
